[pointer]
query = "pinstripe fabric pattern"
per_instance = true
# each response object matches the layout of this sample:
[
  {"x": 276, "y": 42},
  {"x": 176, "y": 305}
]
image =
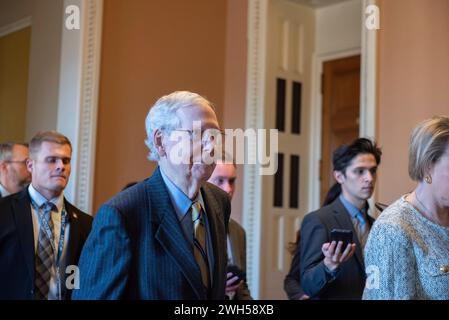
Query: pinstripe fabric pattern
[{"x": 137, "y": 249}]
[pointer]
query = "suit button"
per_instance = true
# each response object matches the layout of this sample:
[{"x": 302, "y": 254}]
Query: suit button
[{"x": 444, "y": 269}]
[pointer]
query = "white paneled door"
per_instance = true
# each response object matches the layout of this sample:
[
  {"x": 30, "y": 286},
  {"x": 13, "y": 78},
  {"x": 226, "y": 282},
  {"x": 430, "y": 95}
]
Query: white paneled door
[{"x": 281, "y": 44}]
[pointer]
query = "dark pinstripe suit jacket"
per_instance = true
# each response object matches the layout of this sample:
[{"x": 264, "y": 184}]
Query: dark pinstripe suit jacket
[{"x": 137, "y": 249}]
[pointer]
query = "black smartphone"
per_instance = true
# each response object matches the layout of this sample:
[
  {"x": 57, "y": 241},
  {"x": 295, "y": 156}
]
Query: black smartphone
[
  {"x": 342, "y": 235},
  {"x": 236, "y": 271}
]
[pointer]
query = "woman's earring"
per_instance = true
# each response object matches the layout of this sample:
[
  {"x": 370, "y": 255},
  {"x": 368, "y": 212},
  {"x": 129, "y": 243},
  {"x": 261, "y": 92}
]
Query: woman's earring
[{"x": 428, "y": 179}]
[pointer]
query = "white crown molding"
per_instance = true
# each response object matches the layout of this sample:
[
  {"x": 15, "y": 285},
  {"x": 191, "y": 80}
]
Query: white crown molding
[{"x": 15, "y": 26}]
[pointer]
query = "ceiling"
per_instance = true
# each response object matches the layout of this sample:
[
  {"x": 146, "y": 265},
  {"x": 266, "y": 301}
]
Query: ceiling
[{"x": 317, "y": 3}]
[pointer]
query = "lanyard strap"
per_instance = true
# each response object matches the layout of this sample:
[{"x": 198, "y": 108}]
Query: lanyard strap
[{"x": 43, "y": 221}]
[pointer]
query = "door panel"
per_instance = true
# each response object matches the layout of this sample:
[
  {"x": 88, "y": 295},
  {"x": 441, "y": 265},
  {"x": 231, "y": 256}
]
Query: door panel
[{"x": 341, "y": 96}]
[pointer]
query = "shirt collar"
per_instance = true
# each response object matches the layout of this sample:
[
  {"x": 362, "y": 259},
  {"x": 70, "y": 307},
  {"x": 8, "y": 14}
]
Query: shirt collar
[
  {"x": 3, "y": 191},
  {"x": 179, "y": 199},
  {"x": 352, "y": 210},
  {"x": 39, "y": 199}
]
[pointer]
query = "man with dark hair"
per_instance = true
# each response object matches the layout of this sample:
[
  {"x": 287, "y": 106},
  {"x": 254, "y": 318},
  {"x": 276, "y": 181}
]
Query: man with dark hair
[
  {"x": 41, "y": 233},
  {"x": 14, "y": 175},
  {"x": 328, "y": 270}
]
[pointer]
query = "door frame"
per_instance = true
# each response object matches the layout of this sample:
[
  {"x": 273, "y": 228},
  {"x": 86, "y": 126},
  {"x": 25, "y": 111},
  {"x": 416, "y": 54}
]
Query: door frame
[
  {"x": 368, "y": 95},
  {"x": 316, "y": 120},
  {"x": 368, "y": 98},
  {"x": 15, "y": 26}
]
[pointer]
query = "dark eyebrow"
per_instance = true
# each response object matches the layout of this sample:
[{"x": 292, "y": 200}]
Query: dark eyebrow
[{"x": 367, "y": 168}]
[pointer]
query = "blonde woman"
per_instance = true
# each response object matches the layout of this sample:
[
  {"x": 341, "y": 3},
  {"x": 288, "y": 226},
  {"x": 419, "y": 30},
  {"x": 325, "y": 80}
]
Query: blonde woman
[{"x": 407, "y": 253}]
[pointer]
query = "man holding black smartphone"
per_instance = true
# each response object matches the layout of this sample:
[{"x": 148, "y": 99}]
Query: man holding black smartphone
[
  {"x": 224, "y": 177},
  {"x": 332, "y": 268}
]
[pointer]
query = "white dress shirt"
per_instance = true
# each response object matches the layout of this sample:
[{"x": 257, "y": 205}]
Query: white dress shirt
[{"x": 3, "y": 191}]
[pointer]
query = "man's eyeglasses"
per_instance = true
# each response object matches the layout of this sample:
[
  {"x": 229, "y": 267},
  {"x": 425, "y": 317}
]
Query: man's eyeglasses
[
  {"x": 16, "y": 161},
  {"x": 207, "y": 135}
]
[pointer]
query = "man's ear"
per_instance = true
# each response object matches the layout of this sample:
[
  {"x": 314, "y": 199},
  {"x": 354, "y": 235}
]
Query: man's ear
[
  {"x": 29, "y": 164},
  {"x": 158, "y": 143},
  {"x": 339, "y": 176}
]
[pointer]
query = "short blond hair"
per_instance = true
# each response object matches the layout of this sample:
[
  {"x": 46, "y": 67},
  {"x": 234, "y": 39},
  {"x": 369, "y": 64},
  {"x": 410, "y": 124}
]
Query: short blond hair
[
  {"x": 47, "y": 136},
  {"x": 428, "y": 142}
]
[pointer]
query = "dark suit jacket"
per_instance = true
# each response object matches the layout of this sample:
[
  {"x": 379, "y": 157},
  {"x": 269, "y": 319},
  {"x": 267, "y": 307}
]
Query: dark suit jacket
[
  {"x": 137, "y": 249},
  {"x": 316, "y": 282},
  {"x": 292, "y": 285},
  {"x": 237, "y": 238},
  {"x": 17, "y": 252}
]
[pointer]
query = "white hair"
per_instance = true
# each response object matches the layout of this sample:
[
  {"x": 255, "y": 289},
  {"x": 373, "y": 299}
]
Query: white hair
[{"x": 163, "y": 116}]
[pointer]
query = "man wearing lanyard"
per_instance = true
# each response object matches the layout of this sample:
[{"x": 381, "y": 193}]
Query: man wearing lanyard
[{"x": 41, "y": 233}]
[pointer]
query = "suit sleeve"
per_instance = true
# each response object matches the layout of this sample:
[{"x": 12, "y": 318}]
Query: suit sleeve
[
  {"x": 315, "y": 277},
  {"x": 105, "y": 260},
  {"x": 292, "y": 284},
  {"x": 243, "y": 291}
]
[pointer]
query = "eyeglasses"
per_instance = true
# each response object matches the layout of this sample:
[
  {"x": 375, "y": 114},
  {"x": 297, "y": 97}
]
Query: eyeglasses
[
  {"x": 16, "y": 161},
  {"x": 207, "y": 135}
]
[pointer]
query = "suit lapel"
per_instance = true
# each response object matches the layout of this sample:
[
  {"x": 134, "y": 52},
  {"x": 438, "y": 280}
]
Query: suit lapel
[
  {"x": 216, "y": 227},
  {"x": 24, "y": 224},
  {"x": 170, "y": 234},
  {"x": 74, "y": 236},
  {"x": 343, "y": 219}
]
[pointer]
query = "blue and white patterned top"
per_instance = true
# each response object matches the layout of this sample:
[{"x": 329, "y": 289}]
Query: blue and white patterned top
[{"x": 406, "y": 256}]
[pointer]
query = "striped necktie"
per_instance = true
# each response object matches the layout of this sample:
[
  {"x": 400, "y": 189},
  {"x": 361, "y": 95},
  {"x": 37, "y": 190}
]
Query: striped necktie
[
  {"x": 199, "y": 241},
  {"x": 44, "y": 254}
]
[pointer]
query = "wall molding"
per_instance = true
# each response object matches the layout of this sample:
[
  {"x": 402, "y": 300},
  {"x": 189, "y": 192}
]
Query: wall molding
[
  {"x": 368, "y": 72},
  {"x": 89, "y": 104},
  {"x": 15, "y": 26},
  {"x": 78, "y": 98},
  {"x": 255, "y": 99}
]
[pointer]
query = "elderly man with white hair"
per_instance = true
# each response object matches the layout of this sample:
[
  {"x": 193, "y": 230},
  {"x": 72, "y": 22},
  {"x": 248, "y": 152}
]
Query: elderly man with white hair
[{"x": 165, "y": 237}]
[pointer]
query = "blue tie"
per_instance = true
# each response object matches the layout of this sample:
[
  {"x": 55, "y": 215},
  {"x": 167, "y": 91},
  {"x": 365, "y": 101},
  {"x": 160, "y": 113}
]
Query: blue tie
[{"x": 362, "y": 229}]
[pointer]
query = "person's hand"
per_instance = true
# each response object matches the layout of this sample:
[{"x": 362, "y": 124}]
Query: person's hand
[
  {"x": 232, "y": 283},
  {"x": 304, "y": 297},
  {"x": 334, "y": 254}
]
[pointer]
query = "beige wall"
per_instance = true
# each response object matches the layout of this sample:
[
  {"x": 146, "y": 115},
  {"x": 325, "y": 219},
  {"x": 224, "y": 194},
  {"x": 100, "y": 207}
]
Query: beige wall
[
  {"x": 413, "y": 82},
  {"x": 235, "y": 83},
  {"x": 44, "y": 58},
  {"x": 14, "y": 55},
  {"x": 45, "y": 55},
  {"x": 151, "y": 48},
  {"x": 13, "y": 10}
]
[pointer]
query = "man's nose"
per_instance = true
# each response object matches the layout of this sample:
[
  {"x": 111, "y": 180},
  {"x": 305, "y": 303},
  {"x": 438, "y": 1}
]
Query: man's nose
[
  {"x": 227, "y": 187},
  {"x": 60, "y": 165},
  {"x": 369, "y": 176}
]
